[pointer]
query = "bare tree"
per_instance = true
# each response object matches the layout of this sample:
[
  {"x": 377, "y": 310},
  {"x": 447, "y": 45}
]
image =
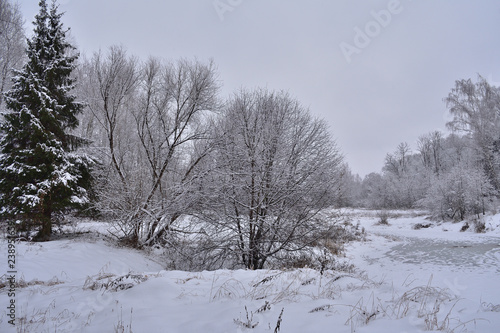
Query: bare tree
[
  {"x": 276, "y": 169},
  {"x": 430, "y": 147},
  {"x": 397, "y": 163},
  {"x": 171, "y": 119},
  {"x": 476, "y": 112},
  {"x": 12, "y": 43},
  {"x": 108, "y": 84},
  {"x": 150, "y": 123},
  {"x": 374, "y": 192},
  {"x": 405, "y": 184},
  {"x": 112, "y": 81}
]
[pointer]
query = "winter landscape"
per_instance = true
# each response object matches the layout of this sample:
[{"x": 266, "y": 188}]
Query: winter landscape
[
  {"x": 138, "y": 194},
  {"x": 396, "y": 279}
]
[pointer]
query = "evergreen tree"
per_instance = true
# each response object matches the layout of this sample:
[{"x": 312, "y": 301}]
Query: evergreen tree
[{"x": 40, "y": 172}]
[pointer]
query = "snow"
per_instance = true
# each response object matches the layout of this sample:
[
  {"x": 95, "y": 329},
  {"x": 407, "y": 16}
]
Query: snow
[{"x": 402, "y": 277}]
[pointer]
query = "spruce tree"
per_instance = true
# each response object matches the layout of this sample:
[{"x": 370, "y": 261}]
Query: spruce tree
[{"x": 40, "y": 172}]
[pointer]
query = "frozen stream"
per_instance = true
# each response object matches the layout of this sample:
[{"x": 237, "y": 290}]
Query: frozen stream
[{"x": 456, "y": 254}]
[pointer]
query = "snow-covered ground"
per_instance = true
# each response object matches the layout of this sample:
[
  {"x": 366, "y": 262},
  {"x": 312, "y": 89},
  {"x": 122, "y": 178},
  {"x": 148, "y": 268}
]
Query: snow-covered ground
[{"x": 405, "y": 280}]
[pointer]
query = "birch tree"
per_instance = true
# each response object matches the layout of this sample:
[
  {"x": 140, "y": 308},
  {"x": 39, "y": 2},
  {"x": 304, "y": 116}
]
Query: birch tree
[
  {"x": 475, "y": 108},
  {"x": 12, "y": 44}
]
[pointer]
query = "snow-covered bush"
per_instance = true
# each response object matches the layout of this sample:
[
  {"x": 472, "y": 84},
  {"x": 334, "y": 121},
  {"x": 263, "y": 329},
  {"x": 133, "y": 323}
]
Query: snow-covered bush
[
  {"x": 200, "y": 245},
  {"x": 479, "y": 225},
  {"x": 383, "y": 216},
  {"x": 463, "y": 191}
]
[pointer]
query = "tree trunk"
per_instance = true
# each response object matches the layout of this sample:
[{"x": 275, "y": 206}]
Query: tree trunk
[{"x": 45, "y": 231}]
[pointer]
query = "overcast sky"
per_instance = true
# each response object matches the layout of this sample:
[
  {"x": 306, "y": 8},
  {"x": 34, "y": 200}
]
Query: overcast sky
[{"x": 376, "y": 71}]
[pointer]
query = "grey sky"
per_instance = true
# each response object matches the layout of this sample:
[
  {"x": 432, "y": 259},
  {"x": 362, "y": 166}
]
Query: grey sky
[{"x": 390, "y": 89}]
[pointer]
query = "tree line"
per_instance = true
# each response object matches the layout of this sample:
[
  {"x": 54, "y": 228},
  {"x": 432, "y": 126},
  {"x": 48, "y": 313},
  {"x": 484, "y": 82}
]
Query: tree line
[{"x": 453, "y": 176}]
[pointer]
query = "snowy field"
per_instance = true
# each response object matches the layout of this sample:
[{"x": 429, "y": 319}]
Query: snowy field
[{"x": 404, "y": 280}]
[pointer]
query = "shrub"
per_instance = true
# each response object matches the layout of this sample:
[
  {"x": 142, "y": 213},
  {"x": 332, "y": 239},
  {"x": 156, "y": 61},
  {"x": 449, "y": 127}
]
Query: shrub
[
  {"x": 479, "y": 225},
  {"x": 383, "y": 216}
]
